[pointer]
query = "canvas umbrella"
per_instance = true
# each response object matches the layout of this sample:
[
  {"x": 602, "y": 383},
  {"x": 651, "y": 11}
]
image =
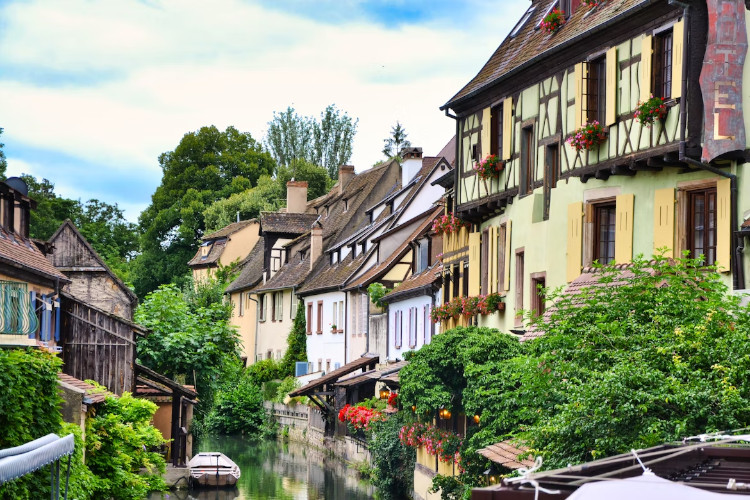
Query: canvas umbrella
[{"x": 648, "y": 486}]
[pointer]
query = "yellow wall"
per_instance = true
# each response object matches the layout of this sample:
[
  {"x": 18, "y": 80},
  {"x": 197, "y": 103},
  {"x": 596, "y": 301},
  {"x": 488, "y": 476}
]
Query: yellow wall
[
  {"x": 239, "y": 244},
  {"x": 246, "y": 323}
]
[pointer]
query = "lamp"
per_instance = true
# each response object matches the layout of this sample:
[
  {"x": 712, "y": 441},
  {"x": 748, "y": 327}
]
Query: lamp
[
  {"x": 444, "y": 413},
  {"x": 477, "y": 418},
  {"x": 491, "y": 474},
  {"x": 384, "y": 393}
]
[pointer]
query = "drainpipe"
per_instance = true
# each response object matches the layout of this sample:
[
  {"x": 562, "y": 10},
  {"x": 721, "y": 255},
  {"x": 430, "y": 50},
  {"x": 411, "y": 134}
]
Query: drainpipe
[{"x": 738, "y": 274}]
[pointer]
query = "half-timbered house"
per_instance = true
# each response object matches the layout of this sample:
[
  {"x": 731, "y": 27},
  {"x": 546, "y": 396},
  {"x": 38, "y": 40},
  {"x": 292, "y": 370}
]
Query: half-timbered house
[{"x": 676, "y": 184}]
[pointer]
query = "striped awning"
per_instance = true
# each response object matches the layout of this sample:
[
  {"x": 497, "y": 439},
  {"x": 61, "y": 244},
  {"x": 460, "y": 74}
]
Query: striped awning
[{"x": 21, "y": 460}]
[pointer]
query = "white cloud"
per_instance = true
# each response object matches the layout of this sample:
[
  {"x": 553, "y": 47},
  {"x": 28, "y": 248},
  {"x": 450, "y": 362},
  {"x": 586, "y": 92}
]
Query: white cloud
[{"x": 117, "y": 83}]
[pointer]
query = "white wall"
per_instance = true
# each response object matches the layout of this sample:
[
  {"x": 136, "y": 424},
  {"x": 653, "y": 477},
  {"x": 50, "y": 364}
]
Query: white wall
[
  {"x": 356, "y": 325},
  {"x": 422, "y": 318},
  {"x": 326, "y": 346},
  {"x": 272, "y": 333}
]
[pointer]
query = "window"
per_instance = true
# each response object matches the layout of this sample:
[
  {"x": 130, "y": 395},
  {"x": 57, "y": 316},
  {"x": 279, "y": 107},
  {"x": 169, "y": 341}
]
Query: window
[
  {"x": 519, "y": 286},
  {"x": 538, "y": 283},
  {"x": 501, "y": 244},
  {"x": 309, "y": 318},
  {"x": 334, "y": 325},
  {"x": 262, "y": 307},
  {"x": 527, "y": 160},
  {"x": 662, "y": 65},
  {"x": 702, "y": 224},
  {"x": 551, "y": 174},
  {"x": 412, "y": 327},
  {"x": 522, "y": 22},
  {"x": 398, "y": 329},
  {"x": 340, "y": 324},
  {"x": 605, "y": 221},
  {"x": 269, "y": 354},
  {"x": 241, "y": 303},
  {"x": 424, "y": 255},
  {"x": 594, "y": 88},
  {"x": 320, "y": 318},
  {"x": 455, "y": 280},
  {"x": 496, "y": 131},
  {"x": 465, "y": 281},
  {"x": 278, "y": 306}
]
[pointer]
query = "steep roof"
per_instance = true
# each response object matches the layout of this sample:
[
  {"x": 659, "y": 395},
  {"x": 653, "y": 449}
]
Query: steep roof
[
  {"x": 518, "y": 52},
  {"x": 213, "y": 255},
  {"x": 251, "y": 269},
  {"x": 449, "y": 151},
  {"x": 64, "y": 263},
  {"x": 22, "y": 253},
  {"x": 290, "y": 275},
  {"x": 396, "y": 255},
  {"x": 229, "y": 230},
  {"x": 414, "y": 283},
  {"x": 328, "y": 276},
  {"x": 288, "y": 223},
  {"x": 92, "y": 392}
]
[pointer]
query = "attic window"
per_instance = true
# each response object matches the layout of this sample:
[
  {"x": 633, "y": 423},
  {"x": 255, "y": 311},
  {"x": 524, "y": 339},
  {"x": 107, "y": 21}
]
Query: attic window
[
  {"x": 522, "y": 22},
  {"x": 550, "y": 9},
  {"x": 205, "y": 248},
  {"x": 346, "y": 205}
]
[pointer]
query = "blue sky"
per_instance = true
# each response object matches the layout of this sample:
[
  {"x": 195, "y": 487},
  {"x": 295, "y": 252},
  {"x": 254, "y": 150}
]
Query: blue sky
[{"x": 92, "y": 92}]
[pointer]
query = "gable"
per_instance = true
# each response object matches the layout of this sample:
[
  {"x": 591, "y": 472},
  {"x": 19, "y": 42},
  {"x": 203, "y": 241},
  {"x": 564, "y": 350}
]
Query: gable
[{"x": 71, "y": 251}]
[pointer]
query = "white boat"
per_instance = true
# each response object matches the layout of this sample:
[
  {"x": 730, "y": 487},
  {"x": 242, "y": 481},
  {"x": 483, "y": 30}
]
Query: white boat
[{"x": 213, "y": 469}]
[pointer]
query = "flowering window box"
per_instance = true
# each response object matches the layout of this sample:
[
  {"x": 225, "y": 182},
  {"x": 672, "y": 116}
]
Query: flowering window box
[{"x": 588, "y": 137}]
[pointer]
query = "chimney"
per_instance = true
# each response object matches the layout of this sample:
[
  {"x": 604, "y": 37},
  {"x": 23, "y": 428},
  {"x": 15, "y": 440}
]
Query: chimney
[
  {"x": 316, "y": 242},
  {"x": 411, "y": 164},
  {"x": 296, "y": 197},
  {"x": 346, "y": 173}
]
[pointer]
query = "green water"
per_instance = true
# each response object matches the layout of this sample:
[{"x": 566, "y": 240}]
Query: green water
[{"x": 273, "y": 470}]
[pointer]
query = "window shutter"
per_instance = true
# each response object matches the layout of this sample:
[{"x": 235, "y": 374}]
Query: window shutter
[
  {"x": 506, "y": 278},
  {"x": 723, "y": 225},
  {"x": 507, "y": 127},
  {"x": 678, "y": 36},
  {"x": 474, "y": 262},
  {"x": 624, "y": 228},
  {"x": 610, "y": 106},
  {"x": 578, "y": 77},
  {"x": 664, "y": 220},
  {"x": 486, "y": 137},
  {"x": 281, "y": 306},
  {"x": 492, "y": 260},
  {"x": 575, "y": 240},
  {"x": 646, "y": 51},
  {"x": 485, "y": 249}
]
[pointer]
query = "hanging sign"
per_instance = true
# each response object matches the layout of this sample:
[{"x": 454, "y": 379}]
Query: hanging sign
[{"x": 721, "y": 79}]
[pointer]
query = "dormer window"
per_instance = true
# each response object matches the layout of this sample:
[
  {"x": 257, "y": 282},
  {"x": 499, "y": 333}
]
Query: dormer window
[
  {"x": 346, "y": 205},
  {"x": 205, "y": 248},
  {"x": 522, "y": 22},
  {"x": 550, "y": 9}
]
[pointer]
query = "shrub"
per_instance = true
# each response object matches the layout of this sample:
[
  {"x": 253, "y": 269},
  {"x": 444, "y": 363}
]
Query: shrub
[
  {"x": 377, "y": 291},
  {"x": 393, "y": 463},
  {"x": 239, "y": 409},
  {"x": 120, "y": 441}
]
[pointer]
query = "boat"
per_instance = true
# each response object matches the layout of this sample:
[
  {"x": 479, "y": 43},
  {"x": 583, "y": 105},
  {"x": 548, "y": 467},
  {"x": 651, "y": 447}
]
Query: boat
[{"x": 213, "y": 469}]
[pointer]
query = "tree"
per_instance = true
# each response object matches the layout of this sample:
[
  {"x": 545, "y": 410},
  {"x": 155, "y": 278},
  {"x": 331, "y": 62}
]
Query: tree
[
  {"x": 206, "y": 166},
  {"x": 326, "y": 142},
  {"x": 3, "y": 161},
  {"x": 296, "y": 341},
  {"x": 51, "y": 210},
  {"x": 396, "y": 142}
]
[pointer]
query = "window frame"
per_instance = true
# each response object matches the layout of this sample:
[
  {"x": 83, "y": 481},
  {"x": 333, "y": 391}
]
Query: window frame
[
  {"x": 319, "y": 325},
  {"x": 551, "y": 174},
  {"x": 519, "y": 280},
  {"x": 527, "y": 161},
  {"x": 496, "y": 131},
  {"x": 593, "y": 107},
  {"x": 309, "y": 317},
  {"x": 538, "y": 301},
  {"x": 691, "y": 224},
  {"x": 262, "y": 307},
  {"x": 599, "y": 208},
  {"x": 661, "y": 64}
]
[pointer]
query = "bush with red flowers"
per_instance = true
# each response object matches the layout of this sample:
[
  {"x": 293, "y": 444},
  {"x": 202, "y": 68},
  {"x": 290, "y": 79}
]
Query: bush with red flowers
[
  {"x": 447, "y": 224},
  {"x": 359, "y": 417},
  {"x": 468, "y": 306},
  {"x": 588, "y": 137},
  {"x": 553, "y": 21},
  {"x": 489, "y": 167},
  {"x": 443, "y": 444},
  {"x": 651, "y": 110},
  {"x": 393, "y": 399}
]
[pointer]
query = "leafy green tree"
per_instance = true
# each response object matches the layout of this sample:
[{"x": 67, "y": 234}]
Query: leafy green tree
[
  {"x": 189, "y": 342},
  {"x": 296, "y": 341},
  {"x": 239, "y": 409},
  {"x": 206, "y": 166},
  {"x": 326, "y": 142},
  {"x": 51, "y": 210},
  {"x": 3, "y": 161},
  {"x": 395, "y": 142},
  {"x": 318, "y": 180},
  {"x": 393, "y": 463},
  {"x": 120, "y": 442}
]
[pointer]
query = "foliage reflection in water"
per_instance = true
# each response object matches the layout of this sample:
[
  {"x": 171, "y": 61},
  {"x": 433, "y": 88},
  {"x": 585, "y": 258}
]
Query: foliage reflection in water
[{"x": 275, "y": 470}]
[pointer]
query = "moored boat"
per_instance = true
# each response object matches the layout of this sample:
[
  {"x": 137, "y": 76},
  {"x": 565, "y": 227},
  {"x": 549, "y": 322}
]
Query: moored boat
[{"x": 213, "y": 469}]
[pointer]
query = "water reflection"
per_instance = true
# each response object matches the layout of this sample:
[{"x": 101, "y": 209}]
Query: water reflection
[{"x": 272, "y": 470}]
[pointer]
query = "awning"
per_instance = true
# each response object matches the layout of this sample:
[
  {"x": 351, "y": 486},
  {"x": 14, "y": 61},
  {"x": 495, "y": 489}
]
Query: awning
[
  {"x": 24, "y": 459},
  {"x": 368, "y": 360}
]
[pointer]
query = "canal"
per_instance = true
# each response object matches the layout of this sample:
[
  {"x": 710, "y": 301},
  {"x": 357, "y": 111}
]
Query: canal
[{"x": 276, "y": 470}]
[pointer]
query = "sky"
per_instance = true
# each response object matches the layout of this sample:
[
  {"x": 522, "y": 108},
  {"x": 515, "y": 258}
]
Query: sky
[{"x": 93, "y": 91}]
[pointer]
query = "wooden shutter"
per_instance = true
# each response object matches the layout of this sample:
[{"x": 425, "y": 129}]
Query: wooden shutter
[
  {"x": 624, "y": 228},
  {"x": 492, "y": 260},
  {"x": 610, "y": 106},
  {"x": 575, "y": 240},
  {"x": 485, "y": 249},
  {"x": 475, "y": 240},
  {"x": 646, "y": 50},
  {"x": 723, "y": 225},
  {"x": 578, "y": 77},
  {"x": 664, "y": 220},
  {"x": 507, "y": 127},
  {"x": 678, "y": 36},
  {"x": 486, "y": 136},
  {"x": 506, "y": 271}
]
